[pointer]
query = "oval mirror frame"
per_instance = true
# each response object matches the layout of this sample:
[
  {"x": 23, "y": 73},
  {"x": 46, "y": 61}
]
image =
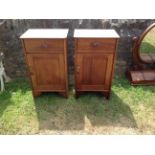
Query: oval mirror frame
[{"x": 140, "y": 40}]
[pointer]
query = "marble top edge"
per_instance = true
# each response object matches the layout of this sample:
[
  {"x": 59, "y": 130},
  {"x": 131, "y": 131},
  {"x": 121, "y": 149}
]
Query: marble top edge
[
  {"x": 62, "y": 33},
  {"x": 45, "y": 33},
  {"x": 97, "y": 33}
]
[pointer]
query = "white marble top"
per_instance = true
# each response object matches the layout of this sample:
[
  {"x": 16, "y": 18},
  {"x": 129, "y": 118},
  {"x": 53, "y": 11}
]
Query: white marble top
[
  {"x": 45, "y": 33},
  {"x": 95, "y": 33}
]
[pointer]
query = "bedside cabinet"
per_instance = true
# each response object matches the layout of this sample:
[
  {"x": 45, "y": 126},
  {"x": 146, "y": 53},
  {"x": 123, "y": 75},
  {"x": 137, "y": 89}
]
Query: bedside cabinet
[
  {"x": 46, "y": 57},
  {"x": 95, "y": 53}
]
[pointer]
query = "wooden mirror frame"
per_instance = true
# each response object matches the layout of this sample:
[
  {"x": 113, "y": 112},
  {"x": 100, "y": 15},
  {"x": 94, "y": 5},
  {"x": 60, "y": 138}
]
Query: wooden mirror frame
[
  {"x": 137, "y": 74},
  {"x": 136, "y": 50}
]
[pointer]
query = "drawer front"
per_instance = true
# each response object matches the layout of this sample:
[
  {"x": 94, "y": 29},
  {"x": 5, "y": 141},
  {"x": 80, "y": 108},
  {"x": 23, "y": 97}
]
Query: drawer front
[
  {"x": 35, "y": 45},
  {"x": 96, "y": 44}
]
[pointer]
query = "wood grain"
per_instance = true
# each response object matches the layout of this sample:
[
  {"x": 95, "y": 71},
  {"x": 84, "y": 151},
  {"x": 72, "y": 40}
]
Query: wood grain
[
  {"x": 35, "y": 45},
  {"x": 96, "y": 44}
]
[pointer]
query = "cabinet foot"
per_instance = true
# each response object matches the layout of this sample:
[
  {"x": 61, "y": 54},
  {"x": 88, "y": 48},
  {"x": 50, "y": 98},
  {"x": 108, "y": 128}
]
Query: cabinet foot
[
  {"x": 107, "y": 95},
  {"x": 77, "y": 94}
]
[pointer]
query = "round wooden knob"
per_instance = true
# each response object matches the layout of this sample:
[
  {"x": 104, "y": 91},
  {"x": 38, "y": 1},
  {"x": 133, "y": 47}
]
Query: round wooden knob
[{"x": 96, "y": 44}]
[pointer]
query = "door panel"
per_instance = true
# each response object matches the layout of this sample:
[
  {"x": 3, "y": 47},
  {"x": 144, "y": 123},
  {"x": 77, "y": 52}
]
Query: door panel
[
  {"x": 86, "y": 70},
  {"x": 99, "y": 65},
  {"x": 93, "y": 71},
  {"x": 47, "y": 71}
]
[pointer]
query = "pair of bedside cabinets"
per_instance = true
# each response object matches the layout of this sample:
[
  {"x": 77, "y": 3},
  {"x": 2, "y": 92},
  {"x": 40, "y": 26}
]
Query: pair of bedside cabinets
[{"x": 45, "y": 52}]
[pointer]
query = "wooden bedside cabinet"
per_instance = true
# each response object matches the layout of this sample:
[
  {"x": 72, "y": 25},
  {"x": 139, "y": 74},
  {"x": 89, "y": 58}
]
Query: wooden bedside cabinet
[
  {"x": 95, "y": 52},
  {"x": 46, "y": 57}
]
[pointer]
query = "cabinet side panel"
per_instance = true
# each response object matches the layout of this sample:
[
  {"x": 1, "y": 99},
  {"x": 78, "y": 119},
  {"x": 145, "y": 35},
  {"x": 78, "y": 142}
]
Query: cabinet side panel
[{"x": 27, "y": 63}]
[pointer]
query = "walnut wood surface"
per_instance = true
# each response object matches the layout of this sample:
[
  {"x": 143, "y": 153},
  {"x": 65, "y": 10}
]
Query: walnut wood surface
[
  {"x": 47, "y": 64},
  {"x": 35, "y": 45},
  {"x": 142, "y": 77},
  {"x": 94, "y": 64}
]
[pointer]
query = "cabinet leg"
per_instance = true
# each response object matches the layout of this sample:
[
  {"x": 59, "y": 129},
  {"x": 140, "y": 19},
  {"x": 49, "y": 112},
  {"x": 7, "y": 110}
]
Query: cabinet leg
[
  {"x": 64, "y": 94},
  {"x": 77, "y": 94},
  {"x": 36, "y": 93},
  {"x": 107, "y": 95}
]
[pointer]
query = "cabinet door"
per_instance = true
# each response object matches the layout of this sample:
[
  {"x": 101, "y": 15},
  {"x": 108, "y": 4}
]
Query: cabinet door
[
  {"x": 47, "y": 71},
  {"x": 93, "y": 71}
]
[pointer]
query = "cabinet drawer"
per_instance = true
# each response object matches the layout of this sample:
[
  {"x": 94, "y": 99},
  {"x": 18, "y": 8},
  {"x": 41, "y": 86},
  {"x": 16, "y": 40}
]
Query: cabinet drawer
[
  {"x": 43, "y": 44},
  {"x": 95, "y": 44}
]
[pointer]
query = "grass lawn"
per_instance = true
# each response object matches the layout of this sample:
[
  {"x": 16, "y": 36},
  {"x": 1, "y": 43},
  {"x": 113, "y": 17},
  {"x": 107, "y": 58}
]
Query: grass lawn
[{"x": 131, "y": 110}]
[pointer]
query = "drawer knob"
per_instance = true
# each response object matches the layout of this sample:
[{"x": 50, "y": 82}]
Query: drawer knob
[
  {"x": 96, "y": 44},
  {"x": 44, "y": 46}
]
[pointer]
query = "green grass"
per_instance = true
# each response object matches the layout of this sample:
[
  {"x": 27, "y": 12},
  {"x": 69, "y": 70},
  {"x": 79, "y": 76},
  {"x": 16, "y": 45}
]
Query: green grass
[
  {"x": 130, "y": 111},
  {"x": 148, "y": 43}
]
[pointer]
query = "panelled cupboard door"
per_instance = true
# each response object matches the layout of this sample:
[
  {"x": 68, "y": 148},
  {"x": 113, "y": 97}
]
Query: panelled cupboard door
[
  {"x": 93, "y": 71},
  {"x": 47, "y": 71}
]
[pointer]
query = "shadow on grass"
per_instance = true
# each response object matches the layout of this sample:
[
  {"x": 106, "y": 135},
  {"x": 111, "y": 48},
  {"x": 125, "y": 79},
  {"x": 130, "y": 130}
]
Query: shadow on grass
[
  {"x": 57, "y": 113},
  {"x": 4, "y": 101}
]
